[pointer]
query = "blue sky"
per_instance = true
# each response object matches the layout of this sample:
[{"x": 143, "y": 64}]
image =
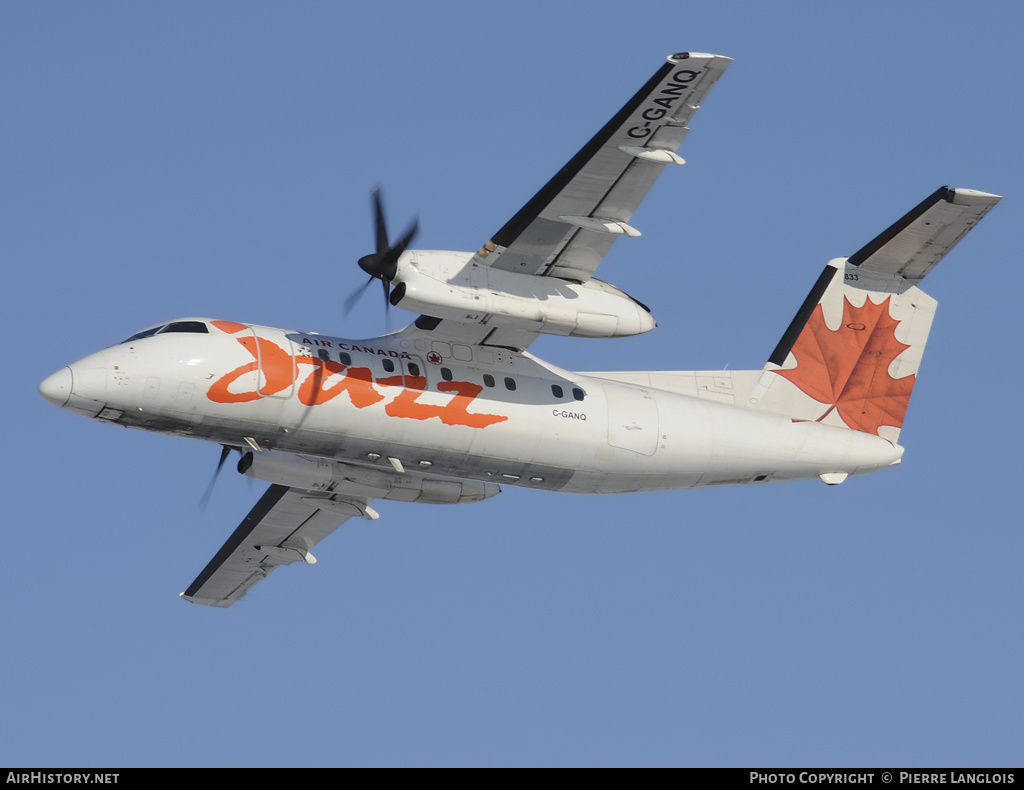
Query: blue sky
[{"x": 163, "y": 160}]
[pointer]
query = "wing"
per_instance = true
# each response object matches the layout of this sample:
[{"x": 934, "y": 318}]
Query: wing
[
  {"x": 567, "y": 228},
  {"x": 285, "y": 524},
  {"x": 912, "y": 246}
]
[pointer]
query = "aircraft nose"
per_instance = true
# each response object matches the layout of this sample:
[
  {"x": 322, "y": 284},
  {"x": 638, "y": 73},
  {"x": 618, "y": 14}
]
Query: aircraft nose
[{"x": 57, "y": 388}]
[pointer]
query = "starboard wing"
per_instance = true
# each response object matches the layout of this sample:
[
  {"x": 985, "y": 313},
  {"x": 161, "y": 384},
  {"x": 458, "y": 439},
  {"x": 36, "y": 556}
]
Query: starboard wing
[{"x": 281, "y": 529}]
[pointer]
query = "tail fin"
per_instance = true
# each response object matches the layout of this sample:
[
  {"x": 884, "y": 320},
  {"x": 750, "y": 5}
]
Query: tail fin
[{"x": 851, "y": 355}]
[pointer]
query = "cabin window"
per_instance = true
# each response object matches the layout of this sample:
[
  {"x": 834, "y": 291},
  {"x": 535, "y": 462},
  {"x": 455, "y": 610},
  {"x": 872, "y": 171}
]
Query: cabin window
[
  {"x": 446, "y": 374},
  {"x": 414, "y": 369},
  {"x": 324, "y": 354},
  {"x": 345, "y": 357},
  {"x": 389, "y": 366},
  {"x": 556, "y": 391},
  {"x": 488, "y": 380},
  {"x": 578, "y": 394},
  {"x": 510, "y": 383}
]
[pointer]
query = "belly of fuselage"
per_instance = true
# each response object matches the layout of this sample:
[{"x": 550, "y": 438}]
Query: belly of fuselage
[{"x": 695, "y": 444}]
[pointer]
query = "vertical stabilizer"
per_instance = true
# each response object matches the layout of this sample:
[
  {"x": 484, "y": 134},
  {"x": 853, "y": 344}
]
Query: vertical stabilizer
[{"x": 852, "y": 353}]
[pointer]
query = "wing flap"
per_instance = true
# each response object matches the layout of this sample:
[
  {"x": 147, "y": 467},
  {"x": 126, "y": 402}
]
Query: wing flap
[
  {"x": 282, "y": 528},
  {"x": 920, "y": 239}
]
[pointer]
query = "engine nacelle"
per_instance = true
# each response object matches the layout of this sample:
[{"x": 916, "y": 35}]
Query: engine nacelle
[
  {"x": 450, "y": 285},
  {"x": 321, "y": 474}
]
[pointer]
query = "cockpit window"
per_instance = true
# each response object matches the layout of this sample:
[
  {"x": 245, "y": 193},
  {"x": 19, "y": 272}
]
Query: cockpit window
[
  {"x": 196, "y": 327},
  {"x": 144, "y": 333}
]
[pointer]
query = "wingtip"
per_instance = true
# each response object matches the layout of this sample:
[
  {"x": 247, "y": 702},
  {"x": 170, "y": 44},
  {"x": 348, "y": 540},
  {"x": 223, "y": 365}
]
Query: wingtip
[
  {"x": 702, "y": 55},
  {"x": 962, "y": 197}
]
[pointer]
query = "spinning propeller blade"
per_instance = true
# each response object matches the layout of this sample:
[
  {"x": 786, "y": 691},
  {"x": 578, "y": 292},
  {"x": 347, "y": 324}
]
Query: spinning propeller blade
[
  {"x": 382, "y": 264},
  {"x": 224, "y": 453}
]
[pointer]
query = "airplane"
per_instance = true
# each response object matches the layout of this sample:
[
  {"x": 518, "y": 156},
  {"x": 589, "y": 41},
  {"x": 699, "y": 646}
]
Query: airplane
[{"x": 454, "y": 406}]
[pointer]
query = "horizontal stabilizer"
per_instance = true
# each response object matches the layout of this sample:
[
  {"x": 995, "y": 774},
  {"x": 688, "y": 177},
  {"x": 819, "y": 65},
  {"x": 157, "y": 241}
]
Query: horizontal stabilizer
[{"x": 912, "y": 246}]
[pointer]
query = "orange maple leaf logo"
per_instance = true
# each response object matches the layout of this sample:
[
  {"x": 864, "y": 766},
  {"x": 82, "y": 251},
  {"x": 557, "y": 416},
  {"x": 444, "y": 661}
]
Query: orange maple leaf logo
[{"x": 848, "y": 368}]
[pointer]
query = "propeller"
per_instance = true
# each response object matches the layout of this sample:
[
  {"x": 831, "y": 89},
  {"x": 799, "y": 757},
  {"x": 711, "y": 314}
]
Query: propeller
[
  {"x": 383, "y": 263},
  {"x": 224, "y": 453}
]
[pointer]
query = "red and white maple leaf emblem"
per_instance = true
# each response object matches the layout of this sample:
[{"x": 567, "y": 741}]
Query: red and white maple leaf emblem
[{"x": 848, "y": 368}]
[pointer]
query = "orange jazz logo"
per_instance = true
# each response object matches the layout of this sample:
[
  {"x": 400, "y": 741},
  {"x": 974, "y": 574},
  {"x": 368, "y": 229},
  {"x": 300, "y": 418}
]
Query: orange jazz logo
[{"x": 327, "y": 380}]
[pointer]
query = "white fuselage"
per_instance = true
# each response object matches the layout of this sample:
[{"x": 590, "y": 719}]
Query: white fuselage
[{"x": 466, "y": 412}]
